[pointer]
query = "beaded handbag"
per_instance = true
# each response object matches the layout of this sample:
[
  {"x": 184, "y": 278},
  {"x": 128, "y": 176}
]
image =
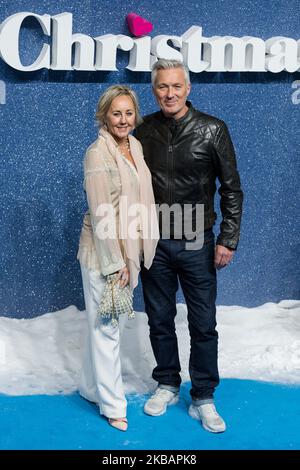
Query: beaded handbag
[{"x": 115, "y": 300}]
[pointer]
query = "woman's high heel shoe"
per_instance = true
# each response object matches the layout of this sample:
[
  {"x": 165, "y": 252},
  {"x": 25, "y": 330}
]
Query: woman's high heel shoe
[{"x": 119, "y": 423}]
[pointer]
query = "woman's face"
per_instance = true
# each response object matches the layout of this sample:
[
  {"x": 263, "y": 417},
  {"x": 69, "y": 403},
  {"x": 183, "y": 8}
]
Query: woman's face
[{"x": 120, "y": 118}]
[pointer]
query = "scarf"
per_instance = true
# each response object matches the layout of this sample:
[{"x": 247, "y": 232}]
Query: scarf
[{"x": 147, "y": 220}]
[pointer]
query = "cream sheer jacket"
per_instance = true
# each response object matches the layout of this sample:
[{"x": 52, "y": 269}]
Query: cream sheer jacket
[{"x": 107, "y": 176}]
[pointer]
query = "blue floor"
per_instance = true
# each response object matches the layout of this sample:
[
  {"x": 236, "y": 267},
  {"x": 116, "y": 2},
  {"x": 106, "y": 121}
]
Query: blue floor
[{"x": 259, "y": 416}]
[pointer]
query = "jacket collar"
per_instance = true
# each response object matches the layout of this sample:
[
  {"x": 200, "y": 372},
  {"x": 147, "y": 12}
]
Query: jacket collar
[{"x": 177, "y": 122}]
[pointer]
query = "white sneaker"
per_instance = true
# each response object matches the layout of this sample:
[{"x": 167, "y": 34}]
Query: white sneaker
[
  {"x": 207, "y": 414},
  {"x": 161, "y": 398}
]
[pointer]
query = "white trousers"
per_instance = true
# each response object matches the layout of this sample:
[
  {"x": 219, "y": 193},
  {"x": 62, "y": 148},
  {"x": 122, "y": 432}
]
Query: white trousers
[{"x": 100, "y": 378}]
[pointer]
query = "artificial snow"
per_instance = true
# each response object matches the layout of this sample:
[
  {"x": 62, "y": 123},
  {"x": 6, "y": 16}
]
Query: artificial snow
[{"x": 43, "y": 355}]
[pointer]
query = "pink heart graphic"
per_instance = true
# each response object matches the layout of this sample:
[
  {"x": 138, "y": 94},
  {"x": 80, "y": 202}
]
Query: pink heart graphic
[{"x": 137, "y": 25}]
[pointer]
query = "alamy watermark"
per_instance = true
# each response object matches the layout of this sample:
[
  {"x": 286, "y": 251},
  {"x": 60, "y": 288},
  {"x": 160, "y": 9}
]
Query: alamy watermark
[
  {"x": 178, "y": 221},
  {"x": 296, "y": 93},
  {"x": 2, "y": 92}
]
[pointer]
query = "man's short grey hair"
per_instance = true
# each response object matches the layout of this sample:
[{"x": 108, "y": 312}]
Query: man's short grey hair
[{"x": 164, "y": 64}]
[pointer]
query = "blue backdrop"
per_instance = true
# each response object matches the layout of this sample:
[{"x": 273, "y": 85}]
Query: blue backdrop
[{"x": 48, "y": 121}]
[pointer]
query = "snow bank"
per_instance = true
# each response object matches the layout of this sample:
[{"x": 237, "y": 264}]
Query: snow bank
[{"x": 42, "y": 355}]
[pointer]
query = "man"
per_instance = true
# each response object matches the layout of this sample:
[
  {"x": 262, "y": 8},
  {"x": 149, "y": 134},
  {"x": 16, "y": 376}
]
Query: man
[{"x": 186, "y": 151}]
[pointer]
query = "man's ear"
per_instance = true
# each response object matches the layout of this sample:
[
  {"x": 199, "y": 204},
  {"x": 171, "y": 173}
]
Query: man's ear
[{"x": 189, "y": 89}]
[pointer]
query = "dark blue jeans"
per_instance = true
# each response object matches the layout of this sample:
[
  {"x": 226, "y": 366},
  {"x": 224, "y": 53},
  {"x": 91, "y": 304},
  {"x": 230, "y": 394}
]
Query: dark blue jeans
[{"x": 196, "y": 273}]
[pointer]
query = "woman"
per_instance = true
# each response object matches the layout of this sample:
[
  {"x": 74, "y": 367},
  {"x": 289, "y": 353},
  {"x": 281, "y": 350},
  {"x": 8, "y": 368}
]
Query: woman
[{"x": 115, "y": 179}]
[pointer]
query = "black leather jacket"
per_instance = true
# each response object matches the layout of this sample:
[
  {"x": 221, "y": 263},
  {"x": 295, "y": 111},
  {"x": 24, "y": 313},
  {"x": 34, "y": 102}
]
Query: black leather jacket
[{"x": 185, "y": 157}]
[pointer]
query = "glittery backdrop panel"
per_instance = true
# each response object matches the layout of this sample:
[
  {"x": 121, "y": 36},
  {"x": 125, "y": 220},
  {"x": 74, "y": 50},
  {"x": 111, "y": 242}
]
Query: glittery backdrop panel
[{"x": 47, "y": 121}]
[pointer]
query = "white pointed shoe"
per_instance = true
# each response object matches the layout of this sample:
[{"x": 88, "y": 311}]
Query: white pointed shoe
[
  {"x": 159, "y": 401},
  {"x": 207, "y": 414},
  {"x": 119, "y": 423}
]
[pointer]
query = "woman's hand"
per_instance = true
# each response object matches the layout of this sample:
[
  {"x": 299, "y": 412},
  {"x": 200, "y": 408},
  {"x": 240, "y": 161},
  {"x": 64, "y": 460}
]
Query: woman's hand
[{"x": 123, "y": 277}]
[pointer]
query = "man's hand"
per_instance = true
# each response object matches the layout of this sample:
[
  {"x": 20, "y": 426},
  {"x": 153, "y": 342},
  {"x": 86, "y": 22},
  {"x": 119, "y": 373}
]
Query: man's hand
[{"x": 223, "y": 256}]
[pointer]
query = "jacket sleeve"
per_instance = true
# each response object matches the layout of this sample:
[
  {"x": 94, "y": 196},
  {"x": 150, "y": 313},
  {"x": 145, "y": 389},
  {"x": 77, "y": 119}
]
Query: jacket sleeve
[
  {"x": 229, "y": 190},
  {"x": 102, "y": 214}
]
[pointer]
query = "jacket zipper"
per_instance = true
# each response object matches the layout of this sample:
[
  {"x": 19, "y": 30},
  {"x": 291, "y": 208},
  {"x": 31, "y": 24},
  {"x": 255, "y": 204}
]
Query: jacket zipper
[{"x": 171, "y": 172}]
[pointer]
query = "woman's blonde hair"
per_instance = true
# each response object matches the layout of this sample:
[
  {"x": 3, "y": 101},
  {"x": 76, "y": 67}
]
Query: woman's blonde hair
[{"x": 107, "y": 98}]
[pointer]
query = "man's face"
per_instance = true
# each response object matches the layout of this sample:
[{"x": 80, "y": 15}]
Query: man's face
[{"x": 171, "y": 92}]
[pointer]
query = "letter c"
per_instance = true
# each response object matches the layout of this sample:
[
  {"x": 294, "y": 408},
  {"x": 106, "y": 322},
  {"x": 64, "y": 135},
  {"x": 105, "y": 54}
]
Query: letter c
[{"x": 9, "y": 41}]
